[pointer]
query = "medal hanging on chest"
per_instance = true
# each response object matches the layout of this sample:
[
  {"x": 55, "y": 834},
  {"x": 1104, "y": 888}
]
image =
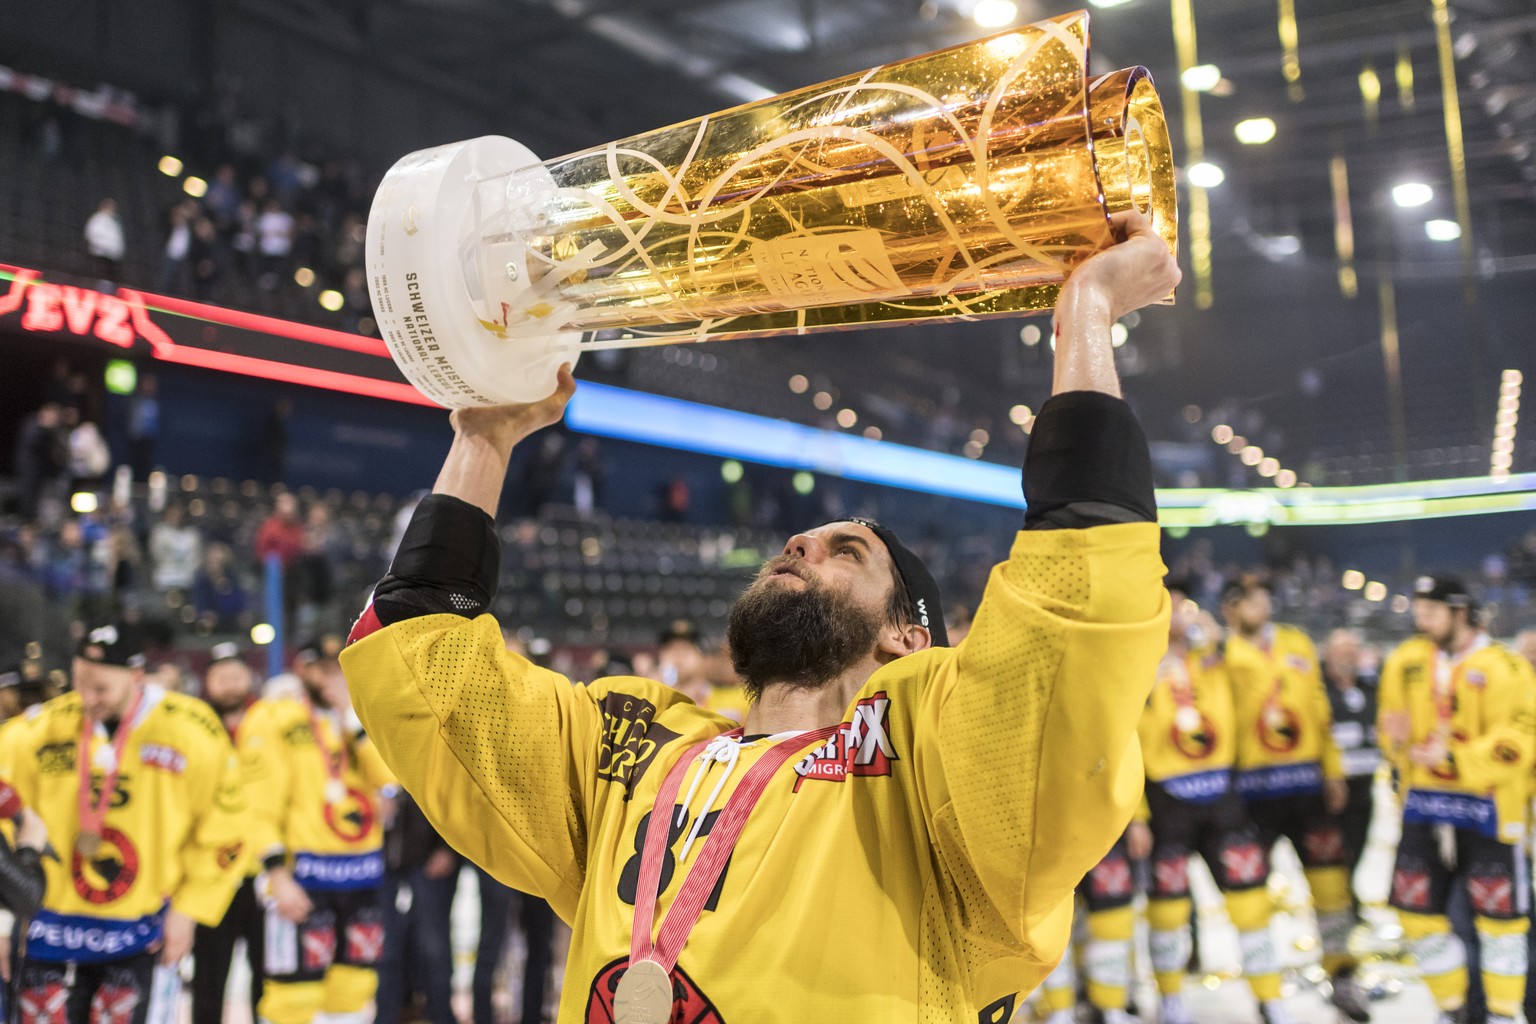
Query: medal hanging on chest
[
  {"x": 645, "y": 990},
  {"x": 94, "y": 803},
  {"x": 335, "y": 788},
  {"x": 644, "y": 995},
  {"x": 1186, "y": 717}
]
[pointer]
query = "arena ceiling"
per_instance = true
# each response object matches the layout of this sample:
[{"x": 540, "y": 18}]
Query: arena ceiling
[{"x": 586, "y": 69}]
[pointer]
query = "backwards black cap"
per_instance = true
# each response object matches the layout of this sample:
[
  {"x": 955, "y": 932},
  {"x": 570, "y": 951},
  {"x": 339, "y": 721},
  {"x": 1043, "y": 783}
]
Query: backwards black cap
[
  {"x": 1445, "y": 589},
  {"x": 922, "y": 590},
  {"x": 228, "y": 650},
  {"x": 113, "y": 643}
]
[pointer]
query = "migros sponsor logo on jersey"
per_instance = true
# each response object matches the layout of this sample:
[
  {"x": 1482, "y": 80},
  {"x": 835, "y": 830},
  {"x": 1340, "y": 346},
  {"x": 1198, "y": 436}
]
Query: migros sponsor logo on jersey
[{"x": 859, "y": 747}]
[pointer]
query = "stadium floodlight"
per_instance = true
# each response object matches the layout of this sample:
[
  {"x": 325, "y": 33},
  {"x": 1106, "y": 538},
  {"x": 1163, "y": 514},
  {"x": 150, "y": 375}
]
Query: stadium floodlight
[
  {"x": 1255, "y": 131},
  {"x": 1204, "y": 174},
  {"x": 994, "y": 13},
  {"x": 1442, "y": 230},
  {"x": 1201, "y": 77},
  {"x": 1412, "y": 193}
]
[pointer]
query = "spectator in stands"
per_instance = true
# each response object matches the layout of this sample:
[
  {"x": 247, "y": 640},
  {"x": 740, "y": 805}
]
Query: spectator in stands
[
  {"x": 224, "y": 197},
  {"x": 172, "y": 277},
  {"x": 206, "y": 259},
  {"x": 104, "y": 240},
  {"x": 587, "y": 485},
  {"x": 310, "y": 581},
  {"x": 175, "y": 550},
  {"x": 673, "y": 499},
  {"x": 42, "y": 454},
  {"x": 89, "y": 456},
  {"x": 281, "y": 535},
  {"x": 217, "y": 594},
  {"x": 274, "y": 241},
  {"x": 242, "y": 238},
  {"x": 144, "y": 426}
]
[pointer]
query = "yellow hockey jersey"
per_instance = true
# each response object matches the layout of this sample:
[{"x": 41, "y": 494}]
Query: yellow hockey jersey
[
  {"x": 1284, "y": 721},
  {"x": 1414, "y": 659},
  {"x": 174, "y": 831},
  {"x": 331, "y": 840},
  {"x": 917, "y": 866},
  {"x": 1190, "y": 752},
  {"x": 1486, "y": 708}
]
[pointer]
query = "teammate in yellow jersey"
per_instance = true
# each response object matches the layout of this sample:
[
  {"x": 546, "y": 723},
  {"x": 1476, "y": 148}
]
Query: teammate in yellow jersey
[
  {"x": 315, "y": 781},
  {"x": 141, "y": 794},
  {"x": 897, "y": 834},
  {"x": 1289, "y": 772},
  {"x": 1467, "y": 721},
  {"x": 229, "y": 687},
  {"x": 1188, "y": 743}
]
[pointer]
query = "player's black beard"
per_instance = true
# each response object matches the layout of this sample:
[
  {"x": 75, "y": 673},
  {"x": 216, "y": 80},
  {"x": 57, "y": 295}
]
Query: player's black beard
[{"x": 804, "y": 637}]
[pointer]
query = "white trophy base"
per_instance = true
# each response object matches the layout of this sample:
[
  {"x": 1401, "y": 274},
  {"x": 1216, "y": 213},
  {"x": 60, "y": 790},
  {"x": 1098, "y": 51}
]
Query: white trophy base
[{"x": 434, "y": 285}]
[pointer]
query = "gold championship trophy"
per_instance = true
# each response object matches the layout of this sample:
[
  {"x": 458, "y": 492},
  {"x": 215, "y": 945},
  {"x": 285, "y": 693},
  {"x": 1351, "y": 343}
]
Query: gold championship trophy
[{"x": 962, "y": 184}]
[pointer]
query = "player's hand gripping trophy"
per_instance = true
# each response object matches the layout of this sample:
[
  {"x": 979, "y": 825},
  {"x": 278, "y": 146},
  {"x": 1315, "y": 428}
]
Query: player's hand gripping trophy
[{"x": 964, "y": 184}]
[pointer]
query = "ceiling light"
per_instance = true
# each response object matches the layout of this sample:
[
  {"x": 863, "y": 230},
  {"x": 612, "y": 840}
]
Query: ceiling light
[
  {"x": 195, "y": 187},
  {"x": 1201, "y": 77},
  {"x": 1019, "y": 414},
  {"x": 170, "y": 167},
  {"x": 846, "y": 418},
  {"x": 1442, "y": 230},
  {"x": 1251, "y": 455},
  {"x": 1205, "y": 174},
  {"x": 1285, "y": 478},
  {"x": 1353, "y": 579},
  {"x": 1412, "y": 193},
  {"x": 332, "y": 300},
  {"x": 1029, "y": 334},
  {"x": 1221, "y": 433},
  {"x": 994, "y": 13},
  {"x": 1375, "y": 591},
  {"x": 1255, "y": 131},
  {"x": 1104, "y": 4}
]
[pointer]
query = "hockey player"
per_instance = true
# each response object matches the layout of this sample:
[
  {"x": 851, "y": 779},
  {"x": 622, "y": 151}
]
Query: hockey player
[
  {"x": 229, "y": 687},
  {"x": 1464, "y": 727},
  {"x": 916, "y": 863},
  {"x": 315, "y": 780},
  {"x": 1188, "y": 743},
  {"x": 1288, "y": 770},
  {"x": 141, "y": 794}
]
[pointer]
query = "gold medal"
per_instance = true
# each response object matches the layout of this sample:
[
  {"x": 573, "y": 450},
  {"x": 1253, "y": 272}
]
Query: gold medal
[
  {"x": 644, "y": 995},
  {"x": 87, "y": 845},
  {"x": 335, "y": 791},
  {"x": 1187, "y": 718}
]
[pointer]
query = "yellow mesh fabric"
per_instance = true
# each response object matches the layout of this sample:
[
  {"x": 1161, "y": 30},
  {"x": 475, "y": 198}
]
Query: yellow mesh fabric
[{"x": 1013, "y": 768}]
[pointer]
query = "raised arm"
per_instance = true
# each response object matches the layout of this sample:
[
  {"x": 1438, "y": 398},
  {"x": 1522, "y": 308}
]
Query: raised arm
[
  {"x": 1034, "y": 770},
  {"x": 498, "y": 753}
]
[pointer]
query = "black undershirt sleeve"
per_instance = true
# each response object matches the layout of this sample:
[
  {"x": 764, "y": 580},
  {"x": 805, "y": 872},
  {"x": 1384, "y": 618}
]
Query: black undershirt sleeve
[
  {"x": 449, "y": 561},
  {"x": 1088, "y": 465}
]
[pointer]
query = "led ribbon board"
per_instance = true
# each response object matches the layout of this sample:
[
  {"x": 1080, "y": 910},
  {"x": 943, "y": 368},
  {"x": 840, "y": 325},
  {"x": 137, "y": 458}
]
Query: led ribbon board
[{"x": 194, "y": 334}]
